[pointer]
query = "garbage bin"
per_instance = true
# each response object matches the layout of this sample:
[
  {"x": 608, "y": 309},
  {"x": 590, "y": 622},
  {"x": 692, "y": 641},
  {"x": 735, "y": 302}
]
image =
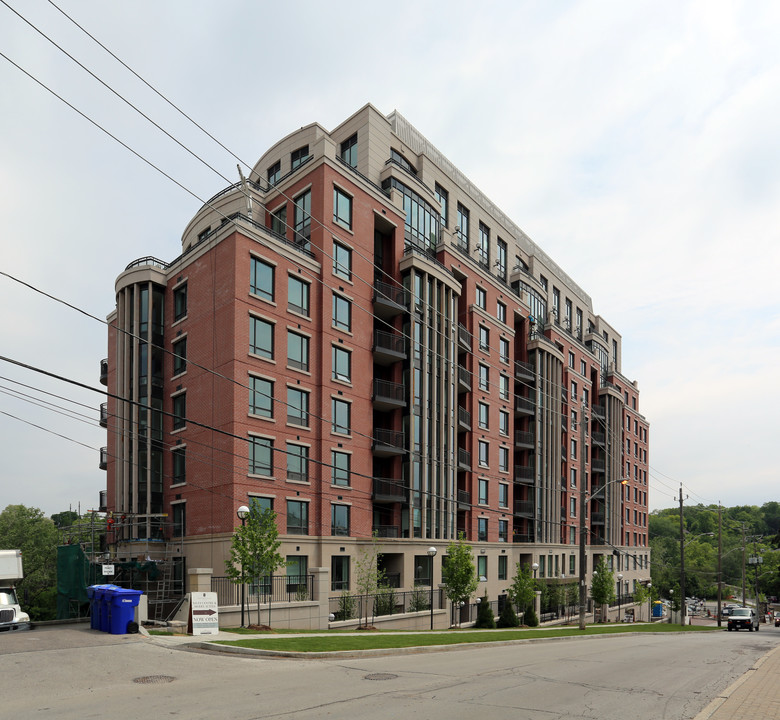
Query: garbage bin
[
  {"x": 102, "y": 596},
  {"x": 122, "y": 609}
]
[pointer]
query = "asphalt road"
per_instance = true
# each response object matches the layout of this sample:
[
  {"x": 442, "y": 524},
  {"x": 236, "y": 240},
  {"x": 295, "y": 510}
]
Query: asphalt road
[{"x": 81, "y": 674}]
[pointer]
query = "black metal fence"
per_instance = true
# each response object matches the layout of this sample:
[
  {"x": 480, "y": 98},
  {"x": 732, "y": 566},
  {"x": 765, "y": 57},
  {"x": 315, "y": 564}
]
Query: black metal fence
[
  {"x": 276, "y": 589},
  {"x": 388, "y": 601}
]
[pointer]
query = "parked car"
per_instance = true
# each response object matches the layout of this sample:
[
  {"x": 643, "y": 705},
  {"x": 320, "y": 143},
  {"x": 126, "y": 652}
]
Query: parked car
[
  {"x": 743, "y": 617},
  {"x": 777, "y": 620},
  {"x": 725, "y": 611}
]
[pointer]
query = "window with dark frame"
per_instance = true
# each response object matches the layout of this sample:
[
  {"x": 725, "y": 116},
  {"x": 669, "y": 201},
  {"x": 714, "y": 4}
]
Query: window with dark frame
[
  {"x": 349, "y": 149},
  {"x": 297, "y": 157},
  {"x": 179, "y": 349},
  {"x": 261, "y": 397},
  {"x": 261, "y": 281},
  {"x": 180, "y": 302},
  {"x": 261, "y": 456}
]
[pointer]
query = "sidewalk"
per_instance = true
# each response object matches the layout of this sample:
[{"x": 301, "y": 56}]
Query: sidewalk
[{"x": 754, "y": 696}]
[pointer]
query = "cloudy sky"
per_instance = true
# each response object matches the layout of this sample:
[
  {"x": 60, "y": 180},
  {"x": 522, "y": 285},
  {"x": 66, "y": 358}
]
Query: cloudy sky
[{"x": 636, "y": 142}]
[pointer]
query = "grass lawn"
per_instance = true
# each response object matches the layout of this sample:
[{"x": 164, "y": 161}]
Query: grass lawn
[{"x": 372, "y": 641}]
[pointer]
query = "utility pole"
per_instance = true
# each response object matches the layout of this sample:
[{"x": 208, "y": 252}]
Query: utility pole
[
  {"x": 682, "y": 562},
  {"x": 720, "y": 569},
  {"x": 743, "y": 565},
  {"x": 583, "y": 589}
]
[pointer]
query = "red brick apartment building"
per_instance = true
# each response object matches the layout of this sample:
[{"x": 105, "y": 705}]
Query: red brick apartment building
[{"x": 358, "y": 338}]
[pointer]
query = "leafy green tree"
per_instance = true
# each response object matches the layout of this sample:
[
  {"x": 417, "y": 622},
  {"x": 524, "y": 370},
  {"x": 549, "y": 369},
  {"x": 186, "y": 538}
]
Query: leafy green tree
[
  {"x": 522, "y": 591},
  {"x": 368, "y": 575},
  {"x": 29, "y": 530},
  {"x": 603, "y": 586},
  {"x": 254, "y": 551},
  {"x": 507, "y": 618},
  {"x": 641, "y": 598},
  {"x": 461, "y": 580},
  {"x": 485, "y": 618}
]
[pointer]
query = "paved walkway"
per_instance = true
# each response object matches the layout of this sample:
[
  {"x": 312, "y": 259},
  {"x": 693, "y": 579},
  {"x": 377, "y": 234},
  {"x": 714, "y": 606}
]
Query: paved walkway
[{"x": 755, "y": 696}]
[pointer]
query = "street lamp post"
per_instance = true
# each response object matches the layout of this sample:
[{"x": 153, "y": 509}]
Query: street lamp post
[
  {"x": 535, "y": 567},
  {"x": 649, "y": 603},
  {"x": 242, "y": 513},
  {"x": 431, "y": 555},
  {"x": 620, "y": 593}
]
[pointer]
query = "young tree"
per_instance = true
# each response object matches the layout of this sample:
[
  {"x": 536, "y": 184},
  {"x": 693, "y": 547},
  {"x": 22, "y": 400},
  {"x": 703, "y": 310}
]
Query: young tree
[
  {"x": 603, "y": 587},
  {"x": 641, "y": 598},
  {"x": 522, "y": 591},
  {"x": 254, "y": 552},
  {"x": 368, "y": 575},
  {"x": 461, "y": 580},
  {"x": 485, "y": 617}
]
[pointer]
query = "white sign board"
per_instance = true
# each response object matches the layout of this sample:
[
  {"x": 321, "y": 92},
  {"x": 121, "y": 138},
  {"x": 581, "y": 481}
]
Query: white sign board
[
  {"x": 108, "y": 569},
  {"x": 204, "y": 611}
]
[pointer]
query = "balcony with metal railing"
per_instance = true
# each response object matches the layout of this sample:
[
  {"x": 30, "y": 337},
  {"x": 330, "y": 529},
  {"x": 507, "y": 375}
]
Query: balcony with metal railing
[
  {"x": 464, "y": 379},
  {"x": 598, "y": 465},
  {"x": 464, "y": 420},
  {"x": 389, "y": 490},
  {"x": 599, "y": 411},
  {"x": 388, "y": 347},
  {"x": 104, "y": 371},
  {"x": 524, "y": 474},
  {"x": 464, "y": 500},
  {"x": 389, "y": 300},
  {"x": 524, "y": 508},
  {"x": 103, "y": 464},
  {"x": 464, "y": 337},
  {"x": 388, "y": 442},
  {"x": 387, "y": 531},
  {"x": 599, "y": 438},
  {"x": 524, "y": 370},
  {"x": 388, "y": 395},
  {"x": 104, "y": 414},
  {"x": 524, "y": 439},
  {"x": 524, "y": 406},
  {"x": 464, "y": 459}
]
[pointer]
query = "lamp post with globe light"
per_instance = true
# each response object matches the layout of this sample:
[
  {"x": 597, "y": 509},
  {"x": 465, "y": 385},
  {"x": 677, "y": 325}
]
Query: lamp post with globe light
[
  {"x": 431, "y": 555},
  {"x": 242, "y": 514}
]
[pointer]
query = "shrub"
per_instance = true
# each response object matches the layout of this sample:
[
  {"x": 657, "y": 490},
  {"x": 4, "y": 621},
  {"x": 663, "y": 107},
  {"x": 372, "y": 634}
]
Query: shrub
[
  {"x": 419, "y": 600},
  {"x": 508, "y": 617},
  {"x": 485, "y": 617},
  {"x": 530, "y": 618},
  {"x": 347, "y": 607},
  {"x": 384, "y": 601}
]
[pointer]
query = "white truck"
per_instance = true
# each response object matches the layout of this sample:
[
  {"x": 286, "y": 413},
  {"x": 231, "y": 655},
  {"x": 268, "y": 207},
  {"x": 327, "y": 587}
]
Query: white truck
[{"x": 11, "y": 615}]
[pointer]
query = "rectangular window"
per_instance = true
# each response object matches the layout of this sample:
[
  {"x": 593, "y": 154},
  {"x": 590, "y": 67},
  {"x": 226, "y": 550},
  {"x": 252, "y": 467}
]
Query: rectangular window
[
  {"x": 484, "y": 377},
  {"x": 484, "y": 449},
  {"x": 339, "y": 573},
  {"x": 342, "y": 261},
  {"x": 503, "y": 349},
  {"x": 297, "y": 570},
  {"x": 349, "y": 150},
  {"x": 297, "y": 407},
  {"x": 297, "y": 519},
  {"x": 297, "y": 296},
  {"x": 179, "y": 519},
  {"x": 483, "y": 248},
  {"x": 571, "y": 360},
  {"x": 261, "y": 337},
  {"x": 297, "y": 157},
  {"x": 484, "y": 411},
  {"x": 179, "y": 457},
  {"x": 578, "y": 326},
  {"x": 543, "y": 281},
  {"x": 572, "y": 561},
  {"x": 279, "y": 221},
  {"x": 340, "y": 411},
  {"x": 482, "y": 572},
  {"x": 482, "y": 533},
  {"x": 342, "y": 313},
  {"x": 502, "y": 565},
  {"x": 261, "y": 504},
  {"x": 274, "y": 173},
  {"x": 179, "y": 356},
  {"x": 573, "y": 477},
  {"x": 462, "y": 229},
  {"x": 303, "y": 219},
  {"x": 297, "y": 462},
  {"x": 481, "y": 296},
  {"x": 583, "y": 368},
  {"x": 501, "y": 311},
  {"x": 574, "y": 449},
  {"x": 261, "y": 281},
  {"x": 503, "y": 459},
  {"x": 501, "y": 259},
  {"x": 444, "y": 198},
  {"x": 573, "y": 391},
  {"x": 557, "y": 305},
  {"x": 261, "y": 397},
  {"x": 179, "y": 411},
  {"x": 567, "y": 311},
  {"x": 503, "y": 387},
  {"x": 503, "y": 495},
  {"x": 503, "y": 531},
  {"x": 340, "y": 464},
  {"x": 503, "y": 422},
  {"x": 261, "y": 456},
  {"x": 342, "y": 364},
  {"x": 573, "y": 507},
  {"x": 180, "y": 302},
  {"x": 339, "y": 520},
  {"x": 483, "y": 492},
  {"x": 484, "y": 338},
  {"x": 342, "y": 208},
  {"x": 297, "y": 351}
]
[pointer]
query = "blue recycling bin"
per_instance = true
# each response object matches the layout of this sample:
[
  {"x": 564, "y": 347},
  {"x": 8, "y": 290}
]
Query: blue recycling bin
[
  {"x": 99, "y": 609},
  {"x": 122, "y": 604},
  {"x": 102, "y": 594}
]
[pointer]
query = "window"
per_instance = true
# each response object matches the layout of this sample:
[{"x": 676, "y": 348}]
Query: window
[
  {"x": 583, "y": 367},
  {"x": 444, "y": 198},
  {"x": 303, "y": 219},
  {"x": 179, "y": 519},
  {"x": 578, "y": 327},
  {"x": 503, "y": 349},
  {"x": 339, "y": 573},
  {"x": 342, "y": 208},
  {"x": 482, "y": 533},
  {"x": 179, "y": 356},
  {"x": 484, "y": 448},
  {"x": 297, "y": 407},
  {"x": 503, "y": 495},
  {"x": 572, "y": 560},
  {"x": 297, "y": 351},
  {"x": 274, "y": 173},
  {"x": 261, "y": 337},
  {"x": 342, "y": 364},
  {"x": 585, "y": 396},
  {"x": 503, "y": 422},
  {"x": 297, "y": 296},
  {"x": 279, "y": 221},
  {"x": 342, "y": 313},
  {"x": 503, "y": 531},
  {"x": 297, "y": 462},
  {"x": 482, "y": 572},
  {"x": 573, "y": 391},
  {"x": 573, "y": 507},
  {"x": 484, "y": 377},
  {"x": 481, "y": 298},
  {"x": 503, "y": 459},
  {"x": 261, "y": 397},
  {"x": 502, "y": 565},
  {"x": 571, "y": 359},
  {"x": 180, "y": 302},
  {"x": 557, "y": 305},
  {"x": 340, "y": 416},
  {"x": 543, "y": 281},
  {"x": 261, "y": 504},
  {"x": 501, "y": 260},
  {"x": 179, "y": 411},
  {"x": 484, "y": 411},
  {"x": 297, "y": 569},
  {"x": 342, "y": 261},
  {"x": 349, "y": 151},
  {"x": 501, "y": 311},
  {"x": 483, "y": 248},
  {"x": 503, "y": 387},
  {"x": 339, "y": 520},
  {"x": 573, "y": 477},
  {"x": 483, "y": 492},
  {"x": 340, "y": 463},
  {"x": 179, "y": 458},
  {"x": 261, "y": 281},
  {"x": 261, "y": 455},
  {"x": 567, "y": 311},
  {"x": 541, "y": 566},
  {"x": 297, "y": 519},
  {"x": 484, "y": 338},
  {"x": 297, "y": 157},
  {"x": 463, "y": 227}
]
